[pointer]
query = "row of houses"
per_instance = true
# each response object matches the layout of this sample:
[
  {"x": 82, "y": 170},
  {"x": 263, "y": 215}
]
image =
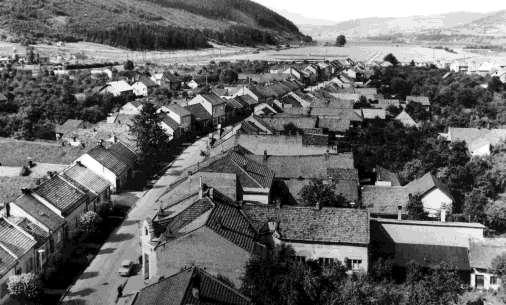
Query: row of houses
[
  {"x": 226, "y": 210},
  {"x": 43, "y": 218}
]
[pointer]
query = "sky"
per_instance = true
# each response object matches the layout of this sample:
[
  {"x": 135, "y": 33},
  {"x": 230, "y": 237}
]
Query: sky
[{"x": 336, "y": 10}]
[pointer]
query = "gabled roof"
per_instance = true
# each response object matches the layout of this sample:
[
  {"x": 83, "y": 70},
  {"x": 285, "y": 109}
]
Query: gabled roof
[
  {"x": 61, "y": 194},
  {"x": 84, "y": 177},
  {"x": 424, "y": 100},
  {"x": 213, "y": 99},
  {"x": 148, "y": 82},
  {"x": 179, "y": 110},
  {"x": 278, "y": 121},
  {"x": 124, "y": 153},
  {"x": 406, "y": 119},
  {"x": 483, "y": 251},
  {"x": 426, "y": 184},
  {"x": 169, "y": 76},
  {"x": 14, "y": 240},
  {"x": 40, "y": 235},
  {"x": 40, "y": 212},
  {"x": 218, "y": 213},
  {"x": 385, "y": 103},
  {"x": 69, "y": 126},
  {"x": 383, "y": 174},
  {"x": 315, "y": 167},
  {"x": 251, "y": 174},
  {"x": 308, "y": 224},
  {"x": 199, "y": 112},
  {"x": 108, "y": 159},
  {"x": 370, "y": 114},
  {"x": 246, "y": 100},
  {"x": 234, "y": 104},
  {"x": 431, "y": 256},
  {"x": 344, "y": 114},
  {"x": 169, "y": 121},
  {"x": 178, "y": 290},
  {"x": 120, "y": 86},
  {"x": 384, "y": 200},
  {"x": 334, "y": 124}
]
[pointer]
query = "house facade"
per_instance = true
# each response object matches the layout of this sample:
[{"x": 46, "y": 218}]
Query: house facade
[
  {"x": 481, "y": 254},
  {"x": 213, "y": 104}
]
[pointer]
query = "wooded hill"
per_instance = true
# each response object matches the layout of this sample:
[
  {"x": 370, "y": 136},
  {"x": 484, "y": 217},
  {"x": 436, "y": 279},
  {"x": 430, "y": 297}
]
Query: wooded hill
[{"x": 145, "y": 24}]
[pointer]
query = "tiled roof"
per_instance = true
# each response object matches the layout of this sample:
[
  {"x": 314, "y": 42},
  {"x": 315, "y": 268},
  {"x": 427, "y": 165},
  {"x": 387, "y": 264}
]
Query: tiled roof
[
  {"x": 371, "y": 114},
  {"x": 124, "y": 153},
  {"x": 308, "y": 224},
  {"x": 7, "y": 261},
  {"x": 344, "y": 114},
  {"x": 343, "y": 173},
  {"x": 14, "y": 240},
  {"x": 61, "y": 194},
  {"x": 426, "y": 184},
  {"x": 305, "y": 166},
  {"x": 179, "y": 110},
  {"x": 222, "y": 216},
  {"x": 246, "y": 100},
  {"x": 199, "y": 112},
  {"x": 41, "y": 236},
  {"x": 334, "y": 124},
  {"x": 483, "y": 251},
  {"x": 86, "y": 178},
  {"x": 384, "y": 200},
  {"x": 40, "y": 212},
  {"x": 120, "y": 86},
  {"x": 406, "y": 119},
  {"x": 278, "y": 122},
  {"x": 108, "y": 160},
  {"x": 431, "y": 256},
  {"x": 250, "y": 173},
  {"x": 424, "y": 100},
  {"x": 148, "y": 82},
  {"x": 234, "y": 104},
  {"x": 10, "y": 187},
  {"x": 177, "y": 290},
  {"x": 385, "y": 103},
  {"x": 213, "y": 99},
  {"x": 383, "y": 174},
  {"x": 290, "y": 100}
]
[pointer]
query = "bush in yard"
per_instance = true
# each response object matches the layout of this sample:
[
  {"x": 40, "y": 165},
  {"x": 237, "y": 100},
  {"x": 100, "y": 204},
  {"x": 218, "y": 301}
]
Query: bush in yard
[
  {"x": 90, "y": 222},
  {"x": 24, "y": 286}
]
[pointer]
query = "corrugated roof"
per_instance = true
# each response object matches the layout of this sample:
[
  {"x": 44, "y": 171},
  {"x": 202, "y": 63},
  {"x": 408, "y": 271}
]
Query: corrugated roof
[
  {"x": 14, "y": 240},
  {"x": 61, "y": 194},
  {"x": 177, "y": 290},
  {"x": 308, "y": 224}
]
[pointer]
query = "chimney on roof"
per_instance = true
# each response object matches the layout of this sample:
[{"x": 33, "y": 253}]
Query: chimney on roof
[
  {"x": 399, "y": 212},
  {"x": 25, "y": 191},
  {"x": 443, "y": 215},
  {"x": 79, "y": 163},
  {"x": 195, "y": 282},
  {"x": 7, "y": 209},
  {"x": 210, "y": 193}
]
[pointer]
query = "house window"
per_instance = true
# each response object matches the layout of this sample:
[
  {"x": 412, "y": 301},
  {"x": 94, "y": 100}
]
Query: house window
[
  {"x": 325, "y": 261},
  {"x": 356, "y": 264},
  {"x": 493, "y": 280}
]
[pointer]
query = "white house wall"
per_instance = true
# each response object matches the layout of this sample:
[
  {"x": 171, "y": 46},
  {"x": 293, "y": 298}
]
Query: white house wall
[
  {"x": 433, "y": 201},
  {"x": 99, "y": 170}
]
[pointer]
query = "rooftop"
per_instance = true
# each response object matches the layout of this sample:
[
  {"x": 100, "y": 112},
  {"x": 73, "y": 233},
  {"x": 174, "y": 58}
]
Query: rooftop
[
  {"x": 86, "y": 178},
  {"x": 40, "y": 212},
  {"x": 10, "y": 187},
  {"x": 15, "y": 240},
  {"x": 483, "y": 251},
  {"x": 425, "y": 184},
  {"x": 382, "y": 200},
  {"x": 61, "y": 194},
  {"x": 108, "y": 159},
  {"x": 199, "y": 112}
]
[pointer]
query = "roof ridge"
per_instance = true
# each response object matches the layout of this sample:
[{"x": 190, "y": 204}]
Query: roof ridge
[
  {"x": 242, "y": 169},
  {"x": 235, "y": 290}
]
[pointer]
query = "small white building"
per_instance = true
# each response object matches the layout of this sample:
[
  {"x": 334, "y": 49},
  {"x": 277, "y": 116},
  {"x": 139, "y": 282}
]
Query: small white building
[
  {"x": 436, "y": 198},
  {"x": 481, "y": 254},
  {"x": 406, "y": 120},
  {"x": 131, "y": 108},
  {"x": 118, "y": 88},
  {"x": 144, "y": 86}
]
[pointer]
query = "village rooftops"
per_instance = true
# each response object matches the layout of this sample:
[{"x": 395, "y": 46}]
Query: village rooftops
[
  {"x": 246, "y": 100},
  {"x": 314, "y": 167},
  {"x": 179, "y": 110},
  {"x": 380, "y": 200},
  {"x": 199, "y": 112},
  {"x": 190, "y": 286},
  {"x": 39, "y": 212},
  {"x": 424, "y": 100},
  {"x": 69, "y": 126},
  {"x": 214, "y": 99},
  {"x": 14, "y": 240},
  {"x": 309, "y": 224},
  {"x": 148, "y": 82},
  {"x": 483, "y": 251},
  {"x": 7, "y": 261},
  {"x": 279, "y": 121},
  {"x": 108, "y": 159},
  {"x": 61, "y": 194},
  {"x": 124, "y": 152}
]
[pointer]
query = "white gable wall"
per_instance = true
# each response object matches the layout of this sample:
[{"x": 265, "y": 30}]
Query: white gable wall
[
  {"x": 434, "y": 201},
  {"x": 99, "y": 170}
]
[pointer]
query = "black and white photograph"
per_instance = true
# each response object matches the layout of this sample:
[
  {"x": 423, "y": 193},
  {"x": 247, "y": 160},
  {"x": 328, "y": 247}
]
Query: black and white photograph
[{"x": 252, "y": 152}]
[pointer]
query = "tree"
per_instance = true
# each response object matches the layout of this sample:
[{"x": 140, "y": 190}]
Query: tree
[
  {"x": 90, "y": 222},
  {"x": 495, "y": 84},
  {"x": 316, "y": 192},
  {"x": 25, "y": 286},
  {"x": 412, "y": 170},
  {"x": 391, "y": 59},
  {"x": 496, "y": 216},
  {"x": 474, "y": 205},
  {"x": 341, "y": 41},
  {"x": 152, "y": 141},
  {"x": 128, "y": 65},
  {"x": 228, "y": 76},
  {"x": 291, "y": 129},
  {"x": 499, "y": 266},
  {"x": 415, "y": 208}
]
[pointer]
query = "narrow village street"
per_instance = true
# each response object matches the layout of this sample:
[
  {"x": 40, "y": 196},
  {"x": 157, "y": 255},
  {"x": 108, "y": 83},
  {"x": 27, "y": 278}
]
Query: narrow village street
[{"x": 98, "y": 284}]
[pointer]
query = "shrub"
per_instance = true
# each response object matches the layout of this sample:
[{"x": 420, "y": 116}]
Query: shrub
[{"x": 26, "y": 285}]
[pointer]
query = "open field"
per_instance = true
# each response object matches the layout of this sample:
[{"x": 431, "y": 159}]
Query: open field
[{"x": 91, "y": 52}]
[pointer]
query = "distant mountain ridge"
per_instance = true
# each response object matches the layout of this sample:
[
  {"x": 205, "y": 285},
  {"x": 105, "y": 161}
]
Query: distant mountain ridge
[
  {"x": 231, "y": 21},
  {"x": 467, "y": 24}
]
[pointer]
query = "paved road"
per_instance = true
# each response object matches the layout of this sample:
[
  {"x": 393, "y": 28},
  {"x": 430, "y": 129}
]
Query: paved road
[{"x": 98, "y": 284}]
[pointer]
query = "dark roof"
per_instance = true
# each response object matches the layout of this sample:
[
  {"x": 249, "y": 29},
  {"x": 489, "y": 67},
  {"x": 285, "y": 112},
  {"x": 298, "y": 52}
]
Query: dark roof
[
  {"x": 213, "y": 99},
  {"x": 424, "y": 100},
  {"x": 234, "y": 104},
  {"x": 346, "y": 173},
  {"x": 177, "y": 290},
  {"x": 199, "y": 112},
  {"x": 383, "y": 200},
  {"x": 250, "y": 173},
  {"x": 40, "y": 212},
  {"x": 343, "y": 114},
  {"x": 308, "y": 224},
  {"x": 7, "y": 261},
  {"x": 246, "y": 100},
  {"x": 148, "y": 82},
  {"x": 482, "y": 252},
  {"x": 86, "y": 178},
  {"x": 223, "y": 216},
  {"x": 305, "y": 166},
  {"x": 124, "y": 153},
  {"x": 61, "y": 194},
  {"x": 108, "y": 160},
  {"x": 426, "y": 184},
  {"x": 179, "y": 110},
  {"x": 278, "y": 122},
  {"x": 169, "y": 76},
  {"x": 248, "y": 127},
  {"x": 346, "y": 188},
  {"x": 431, "y": 256}
]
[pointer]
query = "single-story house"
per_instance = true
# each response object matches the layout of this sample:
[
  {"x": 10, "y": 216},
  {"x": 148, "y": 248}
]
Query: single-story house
[{"x": 481, "y": 254}]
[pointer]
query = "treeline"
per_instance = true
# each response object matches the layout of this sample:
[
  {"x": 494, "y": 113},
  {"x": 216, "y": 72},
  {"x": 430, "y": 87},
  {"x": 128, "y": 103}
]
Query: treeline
[
  {"x": 242, "y": 35},
  {"x": 138, "y": 36}
]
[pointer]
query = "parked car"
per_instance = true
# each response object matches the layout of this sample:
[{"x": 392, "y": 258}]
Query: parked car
[{"x": 126, "y": 268}]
